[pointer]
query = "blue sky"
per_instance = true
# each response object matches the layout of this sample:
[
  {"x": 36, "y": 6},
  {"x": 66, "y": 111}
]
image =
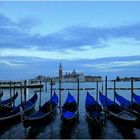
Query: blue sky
[{"x": 96, "y": 38}]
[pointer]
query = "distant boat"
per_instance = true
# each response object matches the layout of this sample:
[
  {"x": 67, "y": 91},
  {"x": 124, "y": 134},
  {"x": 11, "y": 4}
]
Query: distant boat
[
  {"x": 117, "y": 113},
  {"x": 44, "y": 113},
  {"x": 69, "y": 110},
  {"x": 94, "y": 112}
]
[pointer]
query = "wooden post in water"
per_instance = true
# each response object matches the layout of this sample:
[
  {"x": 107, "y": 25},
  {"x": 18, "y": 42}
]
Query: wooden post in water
[
  {"x": 11, "y": 90},
  {"x": 21, "y": 91},
  {"x": 25, "y": 94},
  {"x": 105, "y": 95},
  {"x": 132, "y": 92},
  {"x": 97, "y": 91},
  {"x": 114, "y": 89},
  {"x": 59, "y": 92},
  {"x": 106, "y": 86},
  {"x": 0, "y": 87},
  {"x": 40, "y": 95},
  {"x": 51, "y": 87},
  {"x": 0, "y": 91},
  {"x": 78, "y": 93},
  {"x": 14, "y": 93},
  {"x": 45, "y": 85},
  {"x": 102, "y": 86}
]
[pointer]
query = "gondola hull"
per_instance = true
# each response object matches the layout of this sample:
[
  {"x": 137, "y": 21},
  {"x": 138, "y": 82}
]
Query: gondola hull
[
  {"x": 70, "y": 112},
  {"x": 95, "y": 124},
  {"x": 118, "y": 114},
  {"x": 94, "y": 112},
  {"x": 44, "y": 114},
  {"x": 39, "y": 120},
  {"x": 14, "y": 115},
  {"x": 132, "y": 107},
  {"x": 8, "y": 102},
  {"x": 124, "y": 117}
]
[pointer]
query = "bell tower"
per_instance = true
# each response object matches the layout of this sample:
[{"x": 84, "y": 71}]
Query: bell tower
[{"x": 60, "y": 71}]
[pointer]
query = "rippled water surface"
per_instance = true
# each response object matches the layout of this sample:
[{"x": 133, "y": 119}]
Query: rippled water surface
[{"x": 82, "y": 129}]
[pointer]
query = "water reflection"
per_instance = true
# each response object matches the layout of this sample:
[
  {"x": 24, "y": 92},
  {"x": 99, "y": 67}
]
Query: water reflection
[
  {"x": 66, "y": 132},
  {"x": 7, "y": 127},
  {"x": 35, "y": 130},
  {"x": 127, "y": 132},
  {"x": 94, "y": 132},
  {"x": 56, "y": 130}
]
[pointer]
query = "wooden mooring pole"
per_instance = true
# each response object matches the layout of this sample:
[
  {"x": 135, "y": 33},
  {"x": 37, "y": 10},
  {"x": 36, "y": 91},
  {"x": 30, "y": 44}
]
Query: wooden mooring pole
[
  {"x": 78, "y": 92},
  {"x": 97, "y": 91},
  {"x": 102, "y": 86},
  {"x": 21, "y": 92},
  {"x": 59, "y": 92},
  {"x": 45, "y": 85},
  {"x": 14, "y": 93},
  {"x": 106, "y": 87},
  {"x": 105, "y": 95},
  {"x": 0, "y": 91},
  {"x": 40, "y": 96},
  {"x": 114, "y": 89},
  {"x": 132, "y": 92},
  {"x": 0, "y": 87},
  {"x": 25, "y": 94},
  {"x": 51, "y": 87},
  {"x": 11, "y": 90}
]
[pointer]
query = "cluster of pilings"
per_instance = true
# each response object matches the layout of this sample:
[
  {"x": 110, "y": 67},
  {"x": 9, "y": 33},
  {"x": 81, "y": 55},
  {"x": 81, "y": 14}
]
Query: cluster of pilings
[
  {"x": 23, "y": 90},
  {"x": 103, "y": 89}
]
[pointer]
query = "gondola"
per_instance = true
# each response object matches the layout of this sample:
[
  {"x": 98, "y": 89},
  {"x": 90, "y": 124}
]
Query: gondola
[
  {"x": 69, "y": 111},
  {"x": 9, "y": 101},
  {"x": 5, "y": 105},
  {"x": 117, "y": 113},
  {"x": 133, "y": 107},
  {"x": 14, "y": 114},
  {"x": 136, "y": 98},
  {"x": 44, "y": 113},
  {"x": 94, "y": 112}
]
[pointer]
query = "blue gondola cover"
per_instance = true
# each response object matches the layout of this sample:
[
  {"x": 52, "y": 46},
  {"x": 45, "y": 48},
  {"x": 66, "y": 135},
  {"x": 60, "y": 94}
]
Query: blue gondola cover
[
  {"x": 105, "y": 101},
  {"x": 136, "y": 98},
  {"x": 68, "y": 114},
  {"x": 122, "y": 100},
  {"x": 70, "y": 99}
]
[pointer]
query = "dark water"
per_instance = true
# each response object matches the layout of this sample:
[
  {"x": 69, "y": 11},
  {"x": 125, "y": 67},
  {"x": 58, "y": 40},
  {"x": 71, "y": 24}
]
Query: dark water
[{"x": 81, "y": 130}]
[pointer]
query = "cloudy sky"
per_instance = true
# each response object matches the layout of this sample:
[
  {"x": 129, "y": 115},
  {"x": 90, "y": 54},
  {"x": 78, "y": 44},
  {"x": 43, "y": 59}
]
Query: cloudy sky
[{"x": 96, "y": 38}]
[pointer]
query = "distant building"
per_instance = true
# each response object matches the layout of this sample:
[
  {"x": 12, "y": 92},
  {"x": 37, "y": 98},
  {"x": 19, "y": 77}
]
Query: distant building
[
  {"x": 33, "y": 81},
  {"x": 73, "y": 76},
  {"x": 128, "y": 79},
  {"x": 93, "y": 78},
  {"x": 41, "y": 78}
]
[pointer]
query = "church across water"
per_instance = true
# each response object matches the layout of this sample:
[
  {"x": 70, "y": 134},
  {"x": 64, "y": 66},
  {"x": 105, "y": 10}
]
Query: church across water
[{"x": 73, "y": 76}]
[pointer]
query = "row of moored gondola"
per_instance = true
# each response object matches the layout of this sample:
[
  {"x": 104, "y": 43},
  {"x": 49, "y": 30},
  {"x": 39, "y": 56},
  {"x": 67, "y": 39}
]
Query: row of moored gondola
[
  {"x": 9, "y": 114},
  {"x": 125, "y": 112}
]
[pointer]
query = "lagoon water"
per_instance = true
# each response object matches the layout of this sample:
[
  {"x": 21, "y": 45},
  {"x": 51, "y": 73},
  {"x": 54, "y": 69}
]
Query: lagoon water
[{"x": 82, "y": 129}]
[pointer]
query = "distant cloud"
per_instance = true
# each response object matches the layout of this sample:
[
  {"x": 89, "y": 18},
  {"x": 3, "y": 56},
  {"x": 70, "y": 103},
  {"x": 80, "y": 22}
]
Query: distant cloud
[
  {"x": 11, "y": 64},
  {"x": 29, "y": 67},
  {"x": 115, "y": 64},
  {"x": 19, "y": 34}
]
